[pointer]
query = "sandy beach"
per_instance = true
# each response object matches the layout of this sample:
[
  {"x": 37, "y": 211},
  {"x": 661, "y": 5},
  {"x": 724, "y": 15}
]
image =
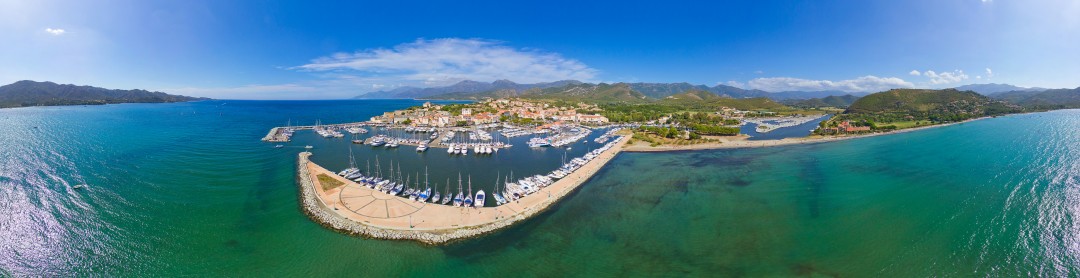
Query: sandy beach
[
  {"x": 356, "y": 209},
  {"x": 740, "y": 141}
]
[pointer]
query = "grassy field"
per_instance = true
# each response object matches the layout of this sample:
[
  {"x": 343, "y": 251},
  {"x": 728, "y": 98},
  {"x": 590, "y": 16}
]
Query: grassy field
[
  {"x": 905, "y": 124},
  {"x": 328, "y": 182},
  {"x": 656, "y": 141}
]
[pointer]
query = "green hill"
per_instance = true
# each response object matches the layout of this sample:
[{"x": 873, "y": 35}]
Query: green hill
[
  {"x": 698, "y": 99},
  {"x": 915, "y": 100},
  {"x": 694, "y": 95},
  {"x": 30, "y": 93},
  {"x": 598, "y": 93},
  {"x": 922, "y": 104}
]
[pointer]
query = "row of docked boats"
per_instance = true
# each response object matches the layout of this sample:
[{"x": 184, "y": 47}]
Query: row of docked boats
[
  {"x": 511, "y": 132},
  {"x": 463, "y": 149},
  {"x": 512, "y": 191},
  {"x": 505, "y": 191},
  {"x": 355, "y": 130},
  {"x": 328, "y": 132},
  {"x": 574, "y": 135},
  {"x": 420, "y": 129},
  {"x": 603, "y": 138},
  {"x": 410, "y": 188}
]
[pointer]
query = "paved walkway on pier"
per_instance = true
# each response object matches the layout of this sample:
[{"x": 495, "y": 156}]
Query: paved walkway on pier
[{"x": 389, "y": 213}]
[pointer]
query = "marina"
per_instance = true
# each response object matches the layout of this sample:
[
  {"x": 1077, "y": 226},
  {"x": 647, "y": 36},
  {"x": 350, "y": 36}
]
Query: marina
[
  {"x": 367, "y": 208},
  {"x": 383, "y": 181}
]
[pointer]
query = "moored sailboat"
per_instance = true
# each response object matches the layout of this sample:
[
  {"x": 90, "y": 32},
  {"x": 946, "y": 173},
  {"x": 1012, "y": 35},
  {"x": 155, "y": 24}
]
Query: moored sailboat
[{"x": 468, "y": 197}]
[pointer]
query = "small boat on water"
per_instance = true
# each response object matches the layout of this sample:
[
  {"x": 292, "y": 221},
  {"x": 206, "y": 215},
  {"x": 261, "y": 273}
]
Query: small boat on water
[
  {"x": 279, "y": 146},
  {"x": 480, "y": 198},
  {"x": 79, "y": 186}
]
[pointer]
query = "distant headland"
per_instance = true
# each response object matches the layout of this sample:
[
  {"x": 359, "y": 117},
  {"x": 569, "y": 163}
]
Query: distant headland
[{"x": 27, "y": 93}]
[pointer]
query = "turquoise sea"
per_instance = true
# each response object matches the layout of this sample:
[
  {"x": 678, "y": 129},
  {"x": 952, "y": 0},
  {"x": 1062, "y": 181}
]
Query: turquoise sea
[{"x": 187, "y": 189}]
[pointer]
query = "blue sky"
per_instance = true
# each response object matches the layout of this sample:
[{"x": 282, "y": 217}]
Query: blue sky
[{"x": 300, "y": 50}]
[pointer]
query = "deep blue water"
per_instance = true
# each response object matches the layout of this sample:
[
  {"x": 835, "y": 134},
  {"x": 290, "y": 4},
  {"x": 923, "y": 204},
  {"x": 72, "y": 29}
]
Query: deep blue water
[{"x": 187, "y": 189}]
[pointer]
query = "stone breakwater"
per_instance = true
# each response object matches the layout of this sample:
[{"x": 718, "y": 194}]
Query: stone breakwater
[{"x": 317, "y": 208}]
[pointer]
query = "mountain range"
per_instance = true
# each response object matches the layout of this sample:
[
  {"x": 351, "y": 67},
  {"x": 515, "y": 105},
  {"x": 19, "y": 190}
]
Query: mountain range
[
  {"x": 467, "y": 86},
  {"x": 31, "y": 93},
  {"x": 994, "y": 88},
  {"x": 1043, "y": 99},
  {"x": 504, "y": 88},
  {"x": 829, "y": 101}
]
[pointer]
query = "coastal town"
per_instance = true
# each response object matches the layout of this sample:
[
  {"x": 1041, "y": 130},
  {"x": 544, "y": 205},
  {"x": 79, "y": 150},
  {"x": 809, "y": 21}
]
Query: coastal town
[{"x": 384, "y": 202}]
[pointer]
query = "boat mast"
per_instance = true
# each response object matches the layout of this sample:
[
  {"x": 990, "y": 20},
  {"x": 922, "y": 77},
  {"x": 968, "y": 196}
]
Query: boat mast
[
  {"x": 352, "y": 161},
  {"x": 378, "y": 170}
]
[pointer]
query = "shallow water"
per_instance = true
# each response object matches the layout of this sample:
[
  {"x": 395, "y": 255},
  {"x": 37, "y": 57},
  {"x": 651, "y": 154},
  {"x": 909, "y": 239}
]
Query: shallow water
[{"x": 187, "y": 189}]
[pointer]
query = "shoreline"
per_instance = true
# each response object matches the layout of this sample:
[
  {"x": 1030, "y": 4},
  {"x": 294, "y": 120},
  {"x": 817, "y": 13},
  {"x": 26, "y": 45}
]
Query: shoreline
[
  {"x": 740, "y": 141},
  {"x": 360, "y": 211}
]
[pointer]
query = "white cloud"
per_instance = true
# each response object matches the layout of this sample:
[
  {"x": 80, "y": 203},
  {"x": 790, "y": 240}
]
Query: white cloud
[
  {"x": 55, "y": 32},
  {"x": 915, "y": 73},
  {"x": 867, "y": 83},
  {"x": 989, "y": 73},
  {"x": 446, "y": 61},
  {"x": 734, "y": 83},
  {"x": 947, "y": 77}
]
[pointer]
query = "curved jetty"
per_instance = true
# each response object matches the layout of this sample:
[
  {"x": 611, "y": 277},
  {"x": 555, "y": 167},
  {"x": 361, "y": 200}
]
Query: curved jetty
[{"x": 358, "y": 210}]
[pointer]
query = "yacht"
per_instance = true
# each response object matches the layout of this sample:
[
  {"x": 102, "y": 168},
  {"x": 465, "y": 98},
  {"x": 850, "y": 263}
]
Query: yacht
[
  {"x": 378, "y": 141},
  {"x": 446, "y": 199},
  {"x": 458, "y": 198},
  {"x": 480, "y": 198},
  {"x": 468, "y": 197},
  {"x": 421, "y": 148},
  {"x": 538, "y": 142},
  {"x": 423, "y": 197}
]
